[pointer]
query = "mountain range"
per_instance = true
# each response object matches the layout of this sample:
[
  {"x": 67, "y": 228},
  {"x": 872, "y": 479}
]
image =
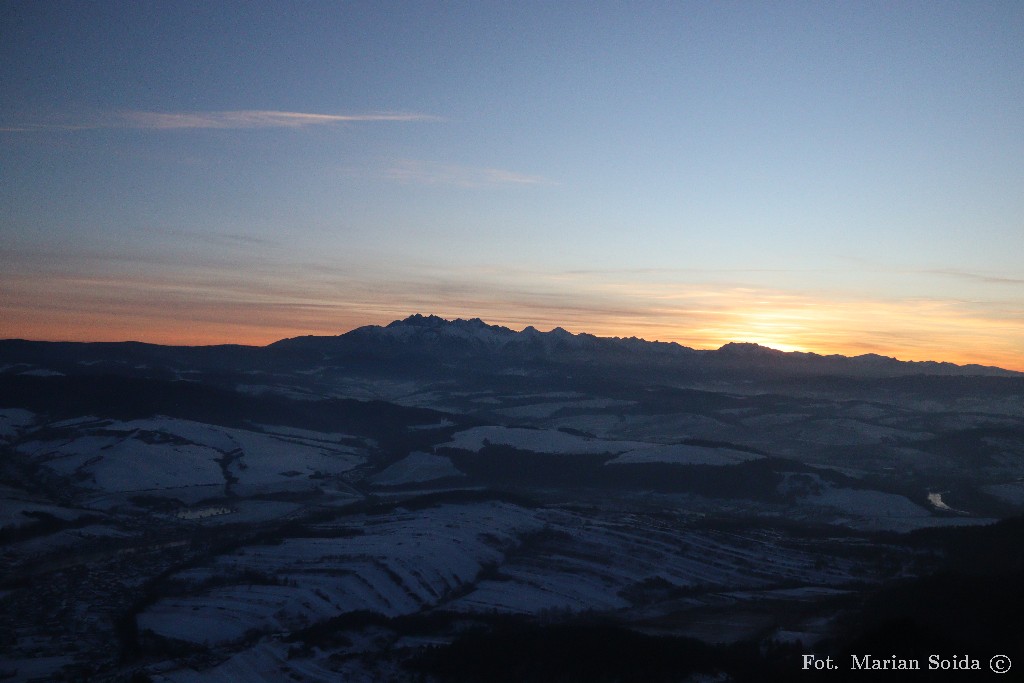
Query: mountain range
[
  {"x": 420, "y": 338},
  {"x": 475, "y": 338}
]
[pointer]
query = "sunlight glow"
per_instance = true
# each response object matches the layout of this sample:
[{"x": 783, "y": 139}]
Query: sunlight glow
[{"x": 209, "y": 306}]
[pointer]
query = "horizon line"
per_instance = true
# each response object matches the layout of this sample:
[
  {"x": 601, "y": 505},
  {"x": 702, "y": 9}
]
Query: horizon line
[{"x": 519, "y": 331}]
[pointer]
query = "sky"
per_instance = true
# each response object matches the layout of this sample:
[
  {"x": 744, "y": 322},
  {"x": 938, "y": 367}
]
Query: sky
[{"x": 835, "y": 177}]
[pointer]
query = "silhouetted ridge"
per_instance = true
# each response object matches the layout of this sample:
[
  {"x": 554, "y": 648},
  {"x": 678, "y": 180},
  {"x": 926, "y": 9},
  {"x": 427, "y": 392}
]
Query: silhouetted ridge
[
  {"x": 432, "y": 345},
  {"x": 434, "y": 337}
]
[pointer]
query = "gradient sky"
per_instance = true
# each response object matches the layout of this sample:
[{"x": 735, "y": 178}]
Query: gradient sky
[{"x": 833, "y": 177}]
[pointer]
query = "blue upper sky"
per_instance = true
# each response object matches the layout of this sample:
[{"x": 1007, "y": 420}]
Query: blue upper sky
[{"x": 841, "y": 177}]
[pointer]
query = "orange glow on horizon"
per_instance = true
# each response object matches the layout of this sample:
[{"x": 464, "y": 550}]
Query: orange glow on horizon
[
  {"x": 263, "y": 330},
  {"x": 703, "y": 317}
]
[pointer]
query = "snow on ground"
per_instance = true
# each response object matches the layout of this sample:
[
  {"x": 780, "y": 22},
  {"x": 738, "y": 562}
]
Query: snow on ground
[
  {"x": 866, "y": 503},
  {"x": 590, "y": 563},
  {"x": 207, "y": 435},
  {"x": 396, "y": 563},
  {"x": 417, "y": 467},
  {"x": 223, "y": 615},
  {"x": 533, "y": 593},
  {"x": 537, "y": 440},
  {"x": 122, "y": 463},
  {"x": 136, "y": 466},
  {"x": 269, "y": 463},
  {"x": 936, "y": 500},
  {"x": 168, "y": 455},
  {"x": 680, "y": 454},
  {"x": 404, "y": 562}
]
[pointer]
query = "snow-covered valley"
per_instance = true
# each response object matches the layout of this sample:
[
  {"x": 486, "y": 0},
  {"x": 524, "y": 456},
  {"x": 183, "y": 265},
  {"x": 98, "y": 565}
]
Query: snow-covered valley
[{"x": 309, "y": 517}]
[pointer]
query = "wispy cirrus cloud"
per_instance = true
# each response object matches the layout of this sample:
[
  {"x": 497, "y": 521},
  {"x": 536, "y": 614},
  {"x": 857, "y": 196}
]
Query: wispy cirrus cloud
[
  {"x": 223, "y": 120},
  {"x": 986, "y": 278},
  {"x": 431, "y": 173},
  {"x": 256, "y": 119}
]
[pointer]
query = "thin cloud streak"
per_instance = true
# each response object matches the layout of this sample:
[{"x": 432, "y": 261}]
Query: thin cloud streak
[
  {"x": 430, "y": 173},
  {"x": 219, "y": 120},
  {"x": 976, "y": 277},
  {"x": 256, "y": 119}
]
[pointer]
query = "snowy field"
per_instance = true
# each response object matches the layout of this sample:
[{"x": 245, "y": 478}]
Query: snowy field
[
  {"x": 481, "y": 558},
  {"x": 189, "y": 460},
  {"x": 539, "y": 560},
  {"x": 589, "y": 563},
  {"x": 398, "y": 564}
]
